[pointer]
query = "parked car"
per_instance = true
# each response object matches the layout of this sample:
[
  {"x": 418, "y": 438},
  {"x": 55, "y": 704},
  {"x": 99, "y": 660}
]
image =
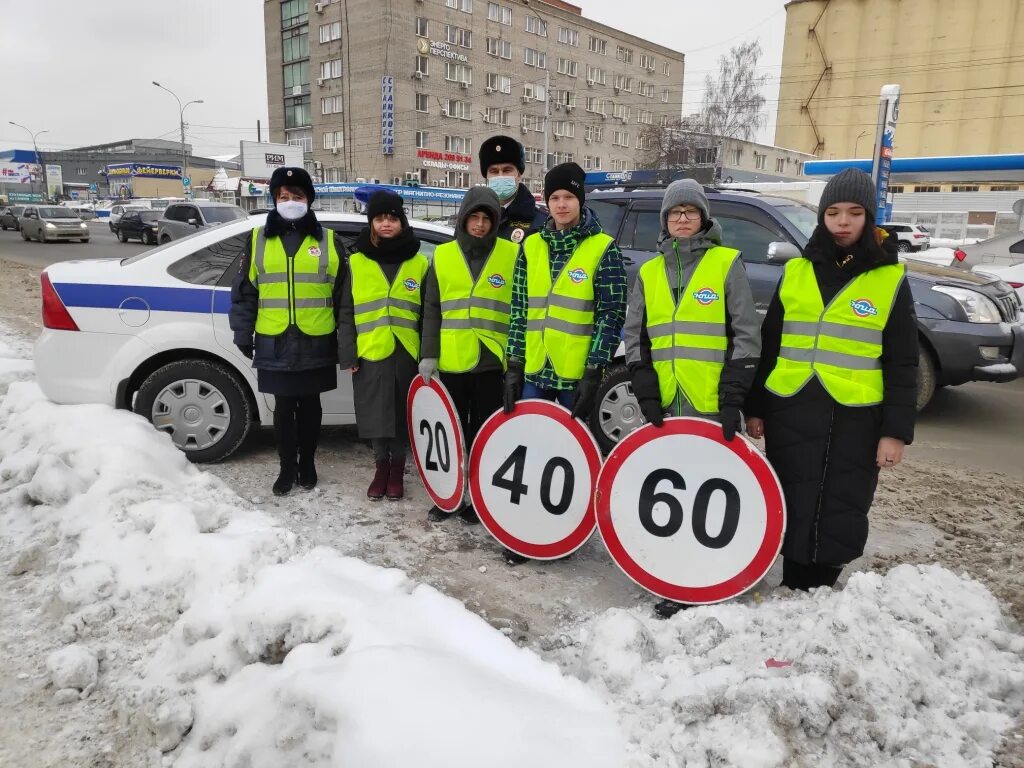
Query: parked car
[
  {"x": 1012, "y": 275},
  {"x": 911, "y": 237},
  {"x": 119, "y": 209},
  {"x": 140, "y": 225},
  {"x": 969, "y": 324},
  {"x": 182, "y": 219},
  {"x": 150, "y": 333},
  {"x": 9, "y": 216},
  {"x": 1000, "y": 251},
  {"x": 52, "y": 222}
]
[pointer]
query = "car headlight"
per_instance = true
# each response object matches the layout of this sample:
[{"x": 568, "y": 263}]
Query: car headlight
[
  {"x": 83, "y": 225},
  {"x": 978, "y": 308},
  {"x": 48, "y": 225}
]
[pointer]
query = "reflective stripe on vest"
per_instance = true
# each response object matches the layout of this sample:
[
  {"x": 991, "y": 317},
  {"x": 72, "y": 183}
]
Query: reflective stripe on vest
[
  {"x": 688, "y": 338},
  {"x": 385, "y": 312},
  {"x": 472, "y": 315},
  {"x": 841, "y": 344},
  {"x": 560, "y": 312},
  {"x": 295, "y": 290}
]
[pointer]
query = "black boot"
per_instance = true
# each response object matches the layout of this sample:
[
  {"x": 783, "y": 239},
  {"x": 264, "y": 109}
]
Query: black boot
[
  {"x": 438, "y": 515},
  {"x": 285, "y": 480},
  {"x": 469, "y": 516},
  {"x": 513, "y": 558},
  {"x": 307, "y": 473},
  {"x": 666, "y": 609},
  {"x": 308, "y": 422}
]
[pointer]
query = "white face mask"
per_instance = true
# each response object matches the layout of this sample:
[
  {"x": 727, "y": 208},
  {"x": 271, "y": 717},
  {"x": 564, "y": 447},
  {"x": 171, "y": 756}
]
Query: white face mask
[{"x": 292, "y": 210}]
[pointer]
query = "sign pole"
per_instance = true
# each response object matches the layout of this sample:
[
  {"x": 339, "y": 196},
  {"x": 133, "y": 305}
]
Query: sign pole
[{"x": 888, "y": 114}]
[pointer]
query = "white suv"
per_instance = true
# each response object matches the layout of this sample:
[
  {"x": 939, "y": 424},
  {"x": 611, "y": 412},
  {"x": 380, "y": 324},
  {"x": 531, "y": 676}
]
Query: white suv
[
  {"x": 150, "y": 333},
  {"x": 911, "y": 237}
]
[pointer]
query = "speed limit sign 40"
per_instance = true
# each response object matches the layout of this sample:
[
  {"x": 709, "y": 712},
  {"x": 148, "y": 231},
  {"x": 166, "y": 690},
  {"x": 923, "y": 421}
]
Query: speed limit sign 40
[
  {"x": 686, "y": 514},
  {"x": 531, "y": 478},
  {"x": 435, "y": 434}
]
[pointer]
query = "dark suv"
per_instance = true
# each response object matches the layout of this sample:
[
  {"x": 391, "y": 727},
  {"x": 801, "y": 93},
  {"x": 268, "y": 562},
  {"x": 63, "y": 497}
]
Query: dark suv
[{"x": 970, "y": 325}]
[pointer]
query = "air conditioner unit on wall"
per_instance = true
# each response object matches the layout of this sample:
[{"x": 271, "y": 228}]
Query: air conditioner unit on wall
[
  {"x": 418, "y": 75},
  {"x": 488, "y": 89},
  {"x": 317, "y": 165},
  {"x": 526, "y": 99},
  {"x": 320, "y": 81},
  {"x": 334, "y": 150},
  {"x": 319, "y": 7},
  {"x": 524, "y": 130},
  {"x": 464, "y": 85}
]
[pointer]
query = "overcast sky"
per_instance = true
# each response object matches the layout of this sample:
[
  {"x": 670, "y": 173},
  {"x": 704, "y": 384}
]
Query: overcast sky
[{"x": 82, "y": 69}]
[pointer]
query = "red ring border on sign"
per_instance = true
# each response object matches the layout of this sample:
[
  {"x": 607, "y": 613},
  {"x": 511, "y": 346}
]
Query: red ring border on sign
[
  {"x": 453, "y": 502},
  {"x": 585, "y": 529},
  {"x": 749, "y": 455}
]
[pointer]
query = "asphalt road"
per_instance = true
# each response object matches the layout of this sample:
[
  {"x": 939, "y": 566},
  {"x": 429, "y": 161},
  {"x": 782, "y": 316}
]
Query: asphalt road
[
  {"x": 102, "y": 245},
  {"x": 978, "y": 426}
]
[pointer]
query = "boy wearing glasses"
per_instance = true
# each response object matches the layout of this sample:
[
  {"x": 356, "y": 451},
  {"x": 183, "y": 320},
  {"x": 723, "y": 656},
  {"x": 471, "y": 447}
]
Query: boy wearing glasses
[{"x": 692, "y": 334}]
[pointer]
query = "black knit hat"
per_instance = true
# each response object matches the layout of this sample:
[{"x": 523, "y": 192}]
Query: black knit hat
[
  {"x": 849, "y": 186},
  {"x": 386, "y": 201},
  {"x": 567, "y": 176},
  {"x": 502, "y": 149},
  {"x": 292, "y": 177}
]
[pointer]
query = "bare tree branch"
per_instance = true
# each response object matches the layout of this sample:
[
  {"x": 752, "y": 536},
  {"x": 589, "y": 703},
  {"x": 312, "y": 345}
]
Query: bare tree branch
[{"x": 733, "y": 105}]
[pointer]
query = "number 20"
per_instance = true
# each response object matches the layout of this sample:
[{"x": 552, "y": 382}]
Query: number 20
[{"x": 439, "y": 437}]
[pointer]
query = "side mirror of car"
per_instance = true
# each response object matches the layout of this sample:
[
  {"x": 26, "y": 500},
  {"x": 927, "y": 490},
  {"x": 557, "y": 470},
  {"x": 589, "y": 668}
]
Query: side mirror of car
[
  {"x": 194, "y": 222},
  {"x": 781, "y": 252}
]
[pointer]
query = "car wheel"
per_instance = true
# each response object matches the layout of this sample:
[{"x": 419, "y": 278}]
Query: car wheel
[
  {"x": 164, "y": 240},
  {"x": 109, "y": 224},
  {"x": 903, "y": 246},
  {"x": 24, "y": 236},
  {"x": 200, "y": 404},
  {"x": 122, "y": 236},
  {"x": 3, "y": 227},
  {"x": 926, "y": 377},
  {"x": 617, "y": 412}
]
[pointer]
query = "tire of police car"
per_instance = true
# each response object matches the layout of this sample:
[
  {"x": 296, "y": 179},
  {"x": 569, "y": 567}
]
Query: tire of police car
[{"x": 215, "y": 374}]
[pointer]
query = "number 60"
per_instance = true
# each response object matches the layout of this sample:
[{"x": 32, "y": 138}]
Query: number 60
[{"x": 649, "y": 496}]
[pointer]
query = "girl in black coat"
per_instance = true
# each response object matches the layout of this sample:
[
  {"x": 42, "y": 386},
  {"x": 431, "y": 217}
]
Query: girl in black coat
[{"x": 828, "y": 455}]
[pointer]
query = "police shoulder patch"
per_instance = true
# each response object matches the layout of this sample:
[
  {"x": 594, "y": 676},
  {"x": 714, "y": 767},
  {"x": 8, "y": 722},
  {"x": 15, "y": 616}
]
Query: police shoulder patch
[{"x": 517, "y": 235}]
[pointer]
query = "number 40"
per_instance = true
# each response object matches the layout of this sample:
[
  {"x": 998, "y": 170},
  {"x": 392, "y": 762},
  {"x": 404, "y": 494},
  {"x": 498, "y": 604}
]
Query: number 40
[{"x": 516, "y": 464}]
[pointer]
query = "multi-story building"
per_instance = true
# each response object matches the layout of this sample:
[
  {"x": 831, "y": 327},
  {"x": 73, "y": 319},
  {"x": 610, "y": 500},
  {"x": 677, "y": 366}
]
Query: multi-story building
[
  {"x": 958, "y": 63},
  {"x": 406, "y": 91}
]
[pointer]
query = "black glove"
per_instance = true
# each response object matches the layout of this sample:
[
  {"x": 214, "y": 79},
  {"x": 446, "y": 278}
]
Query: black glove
[
  {"x": 732, "y": 423},
  {"x": 648, "y": 394},
  {"x": 585, "y": 392},
  {"x": 246, "y": 349},
  {"x": 513, "y": 386}
]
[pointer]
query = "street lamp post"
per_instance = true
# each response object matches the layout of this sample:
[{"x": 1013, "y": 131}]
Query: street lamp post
[
  {"x": 181, "y": 125},
  {"x": 861, "y": 135},
  {"x": 42, "y": 170}
]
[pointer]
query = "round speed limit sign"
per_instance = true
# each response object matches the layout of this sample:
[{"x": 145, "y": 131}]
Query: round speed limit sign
[
  {"x": 531, "y": 479},
  {"x": 686, "y": 514},
  {"x": 438, "y": 447}
]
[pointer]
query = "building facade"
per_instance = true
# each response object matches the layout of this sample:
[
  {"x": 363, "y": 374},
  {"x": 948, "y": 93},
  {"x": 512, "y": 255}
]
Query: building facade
[
  {"x": 958, "y": 64},
  {"x": 406, "y": 92}
]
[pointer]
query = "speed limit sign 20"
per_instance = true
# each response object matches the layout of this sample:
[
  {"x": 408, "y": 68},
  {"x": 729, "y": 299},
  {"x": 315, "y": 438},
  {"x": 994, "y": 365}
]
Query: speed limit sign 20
[
  {"x": 435, "y": 434},
  {"x": 531, "y": 479},
  {"x": 688, "y": 515}
]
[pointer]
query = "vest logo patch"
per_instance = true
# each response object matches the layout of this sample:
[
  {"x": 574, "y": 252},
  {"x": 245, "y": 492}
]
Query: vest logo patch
[
  {"x": 314, "y": 251},
  {"x": 496, "y": 281},
  {"x": 411, "y": 284},
  {"x": 578, "y": 275},
  {"x": 863, "y": 308},
  {"x": 517, "y": 235},
  {"x": 705, "y": 296}
]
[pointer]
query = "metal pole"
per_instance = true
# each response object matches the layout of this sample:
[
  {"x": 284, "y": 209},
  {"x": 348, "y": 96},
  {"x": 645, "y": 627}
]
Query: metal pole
[
  {"x": 181, "y": 125},
  {"x": 35, "y": 149},
  {"x": 547, "y": 112}
]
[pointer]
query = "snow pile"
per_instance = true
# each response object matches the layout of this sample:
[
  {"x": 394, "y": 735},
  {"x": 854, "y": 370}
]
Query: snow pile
[
  {"x": 213, "y": 637},
  {"x": 916, "y": 667},
  {"x": 15, "y": 359}
]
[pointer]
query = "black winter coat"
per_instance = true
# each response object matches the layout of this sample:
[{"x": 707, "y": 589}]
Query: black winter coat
[
  {"x": 521, "y": 214},
  {"x": 824, "y": 453},
  {"x": 292, "y": 350}
]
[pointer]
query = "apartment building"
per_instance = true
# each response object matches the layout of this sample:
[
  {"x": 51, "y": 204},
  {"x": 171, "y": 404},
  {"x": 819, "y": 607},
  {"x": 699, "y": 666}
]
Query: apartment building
[{"x": 404, "y": 92}]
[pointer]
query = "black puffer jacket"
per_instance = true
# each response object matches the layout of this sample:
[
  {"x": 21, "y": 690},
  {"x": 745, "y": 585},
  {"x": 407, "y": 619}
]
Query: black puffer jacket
[
  {"x": 292, "y": 350},
  {"x": 521, "y": 214},
  {"x": 824, "y": 453}
]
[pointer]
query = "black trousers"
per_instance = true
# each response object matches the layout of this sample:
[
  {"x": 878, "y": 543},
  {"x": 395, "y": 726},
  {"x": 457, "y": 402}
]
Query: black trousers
[
  {"x": 476, "y": 396},
  {"x": 804, "y": 577},
  {"x": 297, "y": 427}
]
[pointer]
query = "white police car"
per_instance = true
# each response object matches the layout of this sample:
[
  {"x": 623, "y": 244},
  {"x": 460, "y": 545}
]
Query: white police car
[{"x": 150, "y": 333}]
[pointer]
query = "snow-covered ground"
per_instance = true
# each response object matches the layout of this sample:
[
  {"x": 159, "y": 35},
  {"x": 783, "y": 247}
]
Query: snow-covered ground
[{"x": 150, "y": 616}]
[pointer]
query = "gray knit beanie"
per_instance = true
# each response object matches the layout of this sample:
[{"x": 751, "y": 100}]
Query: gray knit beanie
[
  {"x": 684, "y": 192},
  {"x": 848, "y": 186}
]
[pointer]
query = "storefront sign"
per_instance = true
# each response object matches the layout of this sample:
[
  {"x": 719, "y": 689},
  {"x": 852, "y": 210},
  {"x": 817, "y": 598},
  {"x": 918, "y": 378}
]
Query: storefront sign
[
  {"x": 387, "y": 115},
  {"x": 449, "y": 161},
  {"x": 54, "y": 180},
  {"x": 273, "y": 159},
  {"x": 140, "y": 170},
  {"x": 19, "y": 173},
  {"x": 443, "y": 50}
]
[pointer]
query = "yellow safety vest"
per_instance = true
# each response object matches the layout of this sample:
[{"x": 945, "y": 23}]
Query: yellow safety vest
[
  {"x": 560, "y": 313},
  {"x": 297, "y": 290},
  {"x": 385, "y": 312},
  {"x": 688, "y": 340},
  {"x": 472, "y": 315},
  {"x": 841, "y": 344}
]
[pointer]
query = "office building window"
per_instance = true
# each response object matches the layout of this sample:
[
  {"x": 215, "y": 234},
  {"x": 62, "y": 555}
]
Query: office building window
[
  {"x": 295, "y": 44},
  {"x": 421, "y": 139},
  {"x": 422, "y": 27},
  {"x": 499, "y": 13},
  {"x": 466, "y": 6},
  {"x": 422, "y": 100},
  {"x": 331, "y": 105},
  {"x": 500, "y": 48},
  {"x": 536, "y": 26},
  {"x": 598, "y": 45},
  {"x": 330, "y": 69},
  {"x": 334, "y": 139},
  {"x": 535, "y": 58},
  {"x": 330, "y": 32},
  {"x": 568, "y": 36}
]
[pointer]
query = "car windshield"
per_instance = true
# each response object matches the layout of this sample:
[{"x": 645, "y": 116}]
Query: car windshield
[
  {"x": 803, "y": 217},
  {"x": 219, "y": 215},
  {"x": 57, "y": 213},
  {"x": 149, "y": 216}
]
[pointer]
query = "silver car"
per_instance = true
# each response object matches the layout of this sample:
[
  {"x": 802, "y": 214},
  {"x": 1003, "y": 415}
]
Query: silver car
[
  {"x": 1000, "y": 251},
  {"x": 9, "y": 216},
  {"x": 46, "y": 223},
  {"x": 183, "y": 219}
]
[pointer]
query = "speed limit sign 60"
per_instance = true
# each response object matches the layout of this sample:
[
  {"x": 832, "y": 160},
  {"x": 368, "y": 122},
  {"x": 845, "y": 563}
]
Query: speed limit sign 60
[
  {"x": 531, "y": 478},
  {"x": 435, "y": 434},
  {"x": 686, "y": 514}
]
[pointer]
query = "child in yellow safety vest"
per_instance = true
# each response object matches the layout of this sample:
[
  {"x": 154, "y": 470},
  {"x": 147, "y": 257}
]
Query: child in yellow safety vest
[
  {"x": 466, "y": 308},
  {"x": 379, "y": 334}
]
